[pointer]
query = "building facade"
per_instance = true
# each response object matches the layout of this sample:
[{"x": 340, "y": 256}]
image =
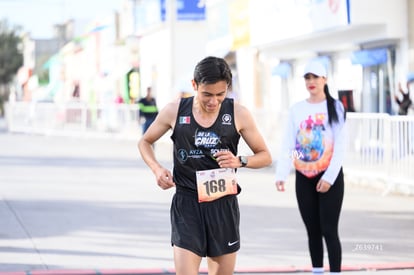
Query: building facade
[{"x": 367, "y": 46}]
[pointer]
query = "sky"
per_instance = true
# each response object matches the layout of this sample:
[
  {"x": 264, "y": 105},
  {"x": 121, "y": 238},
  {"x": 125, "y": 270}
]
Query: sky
[{"x": 39, "y": 16}]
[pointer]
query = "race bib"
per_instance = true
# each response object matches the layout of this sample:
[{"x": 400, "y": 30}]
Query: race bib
[{"x": 216, "y": 183}]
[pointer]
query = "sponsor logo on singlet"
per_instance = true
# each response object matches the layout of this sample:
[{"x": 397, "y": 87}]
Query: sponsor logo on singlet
[
  {"x": 206, "y": 139},
  {"x": 226, "y": 119},
  {"x": 183, "y": 154}
]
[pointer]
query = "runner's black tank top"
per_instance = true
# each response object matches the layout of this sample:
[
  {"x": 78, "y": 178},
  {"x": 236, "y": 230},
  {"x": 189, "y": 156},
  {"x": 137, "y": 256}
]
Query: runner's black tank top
[{"x": 195, "y": 146}]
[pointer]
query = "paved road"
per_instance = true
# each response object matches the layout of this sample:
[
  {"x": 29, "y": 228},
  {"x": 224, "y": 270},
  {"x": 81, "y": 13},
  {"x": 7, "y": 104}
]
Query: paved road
[{"x": 92, "y": 205}]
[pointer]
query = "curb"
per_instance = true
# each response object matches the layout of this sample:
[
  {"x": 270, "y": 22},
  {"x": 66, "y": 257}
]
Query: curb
[{"x": 263, "y": 270}]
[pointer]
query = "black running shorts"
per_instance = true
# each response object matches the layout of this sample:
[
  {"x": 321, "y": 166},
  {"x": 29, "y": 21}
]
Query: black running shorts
[{"x": 208, "y": 229}]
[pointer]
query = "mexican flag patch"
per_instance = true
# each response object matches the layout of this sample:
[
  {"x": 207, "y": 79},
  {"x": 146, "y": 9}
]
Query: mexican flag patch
[{"x": 184, "y": 120}]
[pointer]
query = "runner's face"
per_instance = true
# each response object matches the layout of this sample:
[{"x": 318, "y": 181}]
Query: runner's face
[{"x": 211, "y": 96}]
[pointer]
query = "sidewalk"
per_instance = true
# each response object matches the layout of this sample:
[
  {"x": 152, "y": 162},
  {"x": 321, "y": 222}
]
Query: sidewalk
[{"x": 90, "y": 206}]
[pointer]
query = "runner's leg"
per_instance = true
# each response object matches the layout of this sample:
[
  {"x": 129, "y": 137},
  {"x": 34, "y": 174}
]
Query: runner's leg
[
  {"x": 186, "y": 262},
  {"x": 222, "y": 265}
]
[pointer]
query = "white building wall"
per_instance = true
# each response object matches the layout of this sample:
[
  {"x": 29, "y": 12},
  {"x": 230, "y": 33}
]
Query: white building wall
[
  {"x": 190, "y": 48},
  {"x": 373, "y": 23},
  {"x": 155, "y": 65},
  {"x": 245, "y": 67},
  {"x": 168, "y": 58},
  {"x": 393, "y": 14}
]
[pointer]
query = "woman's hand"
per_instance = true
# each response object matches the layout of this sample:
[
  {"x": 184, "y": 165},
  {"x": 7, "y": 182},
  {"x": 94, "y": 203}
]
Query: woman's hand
[
  {"x": 280, "y": 186},
  {"x": 323, "y": 186}
]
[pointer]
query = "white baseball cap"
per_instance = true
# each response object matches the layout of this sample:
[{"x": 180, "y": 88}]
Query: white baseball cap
[{"x": 316, "y": 68}]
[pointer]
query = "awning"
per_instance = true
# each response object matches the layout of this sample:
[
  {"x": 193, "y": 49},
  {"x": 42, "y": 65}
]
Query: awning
[
  {"x": 368, "y": 58},
  {"x": 410, "y": 77},
  {"x": 282, "y": 69},
  {"x": 333, "y": 40},
  {"x": 53, "y": 60}
]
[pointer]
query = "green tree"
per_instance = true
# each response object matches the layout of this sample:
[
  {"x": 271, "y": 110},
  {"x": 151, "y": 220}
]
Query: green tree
[{"x": 11, "y": 58}]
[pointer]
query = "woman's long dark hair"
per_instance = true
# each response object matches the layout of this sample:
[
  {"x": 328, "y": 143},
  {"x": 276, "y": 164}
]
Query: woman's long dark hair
[{"x": 330, "y": 103}]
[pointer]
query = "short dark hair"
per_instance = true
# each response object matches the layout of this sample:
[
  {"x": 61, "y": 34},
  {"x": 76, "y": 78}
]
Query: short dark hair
[{"x": 211, "y": 70}]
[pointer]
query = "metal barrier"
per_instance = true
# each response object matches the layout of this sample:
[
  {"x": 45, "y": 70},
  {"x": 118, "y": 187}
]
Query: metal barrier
[
  {"x": 74, "y": 119},
  {"x": 380, "y": 148}
]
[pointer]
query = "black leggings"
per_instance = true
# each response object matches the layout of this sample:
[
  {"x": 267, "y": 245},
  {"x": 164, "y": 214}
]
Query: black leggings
[{"x": 320, "y": 213}]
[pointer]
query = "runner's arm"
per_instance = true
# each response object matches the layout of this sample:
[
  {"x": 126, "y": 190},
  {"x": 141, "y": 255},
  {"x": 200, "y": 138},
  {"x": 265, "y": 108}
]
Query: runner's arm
[
  {"x": 163, "y": 122},
  {"x": 250, "y": 133}
]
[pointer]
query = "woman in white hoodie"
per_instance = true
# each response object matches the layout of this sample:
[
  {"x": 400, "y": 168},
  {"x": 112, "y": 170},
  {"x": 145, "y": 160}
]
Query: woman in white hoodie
[{"x": 314, "y": 142}]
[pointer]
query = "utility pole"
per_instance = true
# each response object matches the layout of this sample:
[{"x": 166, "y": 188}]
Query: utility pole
[
  {"x": 410, "y": 12},
  {"x": 171, "y": 19},
  {"x": 134, "y": 16}
]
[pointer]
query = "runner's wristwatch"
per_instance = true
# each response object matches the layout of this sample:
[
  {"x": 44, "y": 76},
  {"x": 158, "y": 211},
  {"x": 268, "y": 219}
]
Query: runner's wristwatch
[{"x": 243, "y": 161}]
